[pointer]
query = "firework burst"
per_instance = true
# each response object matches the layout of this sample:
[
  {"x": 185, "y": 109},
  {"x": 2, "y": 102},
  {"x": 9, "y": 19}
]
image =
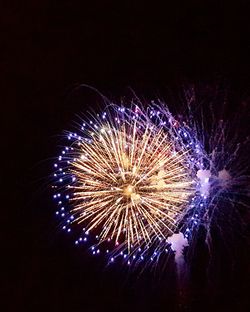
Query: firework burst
[
  {"x": 132, "y": 184},
  {"x": 128, "y": 181},
  {"x": 135, "y": 183}
]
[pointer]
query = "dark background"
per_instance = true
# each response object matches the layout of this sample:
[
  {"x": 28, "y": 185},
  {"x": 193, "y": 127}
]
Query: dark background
[{"x": 48, "y": 48}]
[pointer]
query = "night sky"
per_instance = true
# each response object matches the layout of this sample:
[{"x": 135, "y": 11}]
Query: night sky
[{"x": 48, "y": 49}]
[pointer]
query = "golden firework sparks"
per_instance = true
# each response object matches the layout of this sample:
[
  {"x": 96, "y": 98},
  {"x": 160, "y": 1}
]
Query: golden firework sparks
[{"x": 132, "y": 184}]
